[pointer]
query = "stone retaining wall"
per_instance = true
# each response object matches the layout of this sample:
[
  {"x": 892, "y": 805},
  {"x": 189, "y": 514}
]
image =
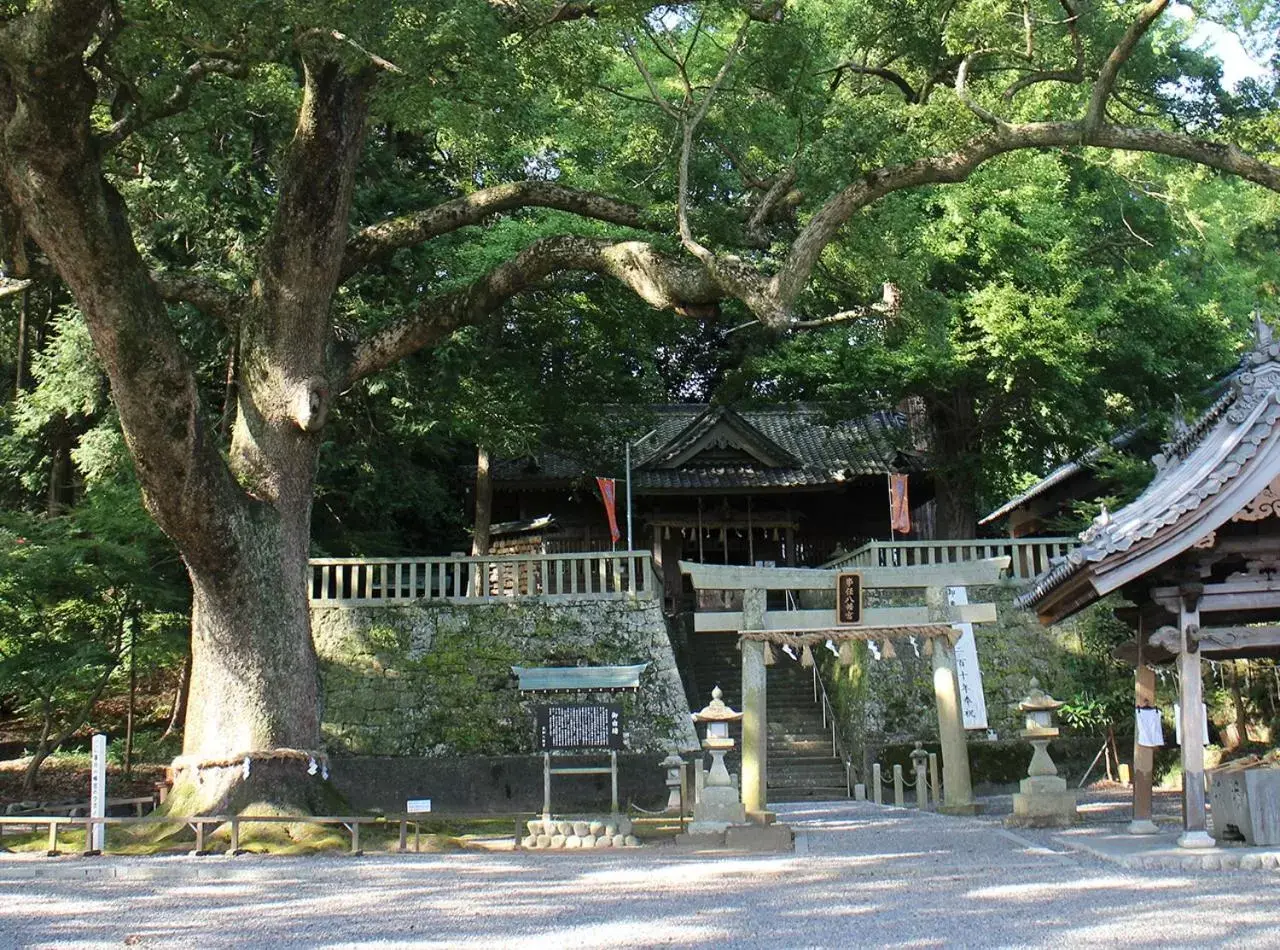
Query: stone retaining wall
[{"x": 428, "y": 679}]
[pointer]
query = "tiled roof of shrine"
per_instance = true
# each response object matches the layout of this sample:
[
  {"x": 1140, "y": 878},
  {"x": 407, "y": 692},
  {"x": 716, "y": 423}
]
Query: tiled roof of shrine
[{"x": 701, "y": 447}]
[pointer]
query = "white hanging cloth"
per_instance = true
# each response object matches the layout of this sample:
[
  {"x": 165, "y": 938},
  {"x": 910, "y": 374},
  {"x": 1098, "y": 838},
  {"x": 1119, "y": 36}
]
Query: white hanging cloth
[{"x": 1150, "y": 730}]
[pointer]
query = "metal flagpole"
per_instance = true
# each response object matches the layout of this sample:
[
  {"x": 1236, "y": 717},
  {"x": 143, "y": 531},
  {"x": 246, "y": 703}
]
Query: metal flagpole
[{"x": 647, "y": 435}]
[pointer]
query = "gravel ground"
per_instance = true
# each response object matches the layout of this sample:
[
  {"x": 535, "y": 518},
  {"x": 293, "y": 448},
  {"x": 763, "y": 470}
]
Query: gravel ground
[{"x": 861, "y": 876}]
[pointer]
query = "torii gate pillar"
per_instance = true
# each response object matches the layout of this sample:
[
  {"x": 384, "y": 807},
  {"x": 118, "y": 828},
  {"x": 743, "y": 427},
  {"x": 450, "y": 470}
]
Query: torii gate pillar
[
  {"x": 755, "y": 730},
  {"x": 957, "y": 786}
]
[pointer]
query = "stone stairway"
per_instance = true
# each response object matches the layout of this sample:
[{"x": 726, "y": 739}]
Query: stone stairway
[{"x": 801, "y": 763}]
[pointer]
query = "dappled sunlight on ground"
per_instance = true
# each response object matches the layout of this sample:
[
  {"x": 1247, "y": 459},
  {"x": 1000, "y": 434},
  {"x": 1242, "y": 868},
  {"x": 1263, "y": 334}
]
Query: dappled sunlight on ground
[{"x": 861, "y": 876}]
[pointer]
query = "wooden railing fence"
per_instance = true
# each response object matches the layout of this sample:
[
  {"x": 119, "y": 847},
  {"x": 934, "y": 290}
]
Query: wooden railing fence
[
  {"x": 1027, "y": 558},
  {"x": 583, "y": 576}
]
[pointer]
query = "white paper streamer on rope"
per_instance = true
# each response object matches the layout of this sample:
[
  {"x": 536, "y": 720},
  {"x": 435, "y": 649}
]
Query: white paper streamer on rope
[
  {"x": 246, "y": 766},
  {"x": 789, "y": 650},
  {"x": 311, "y": 765},
  {"x": 875, "y": 650},
  {"x": 835, "y": 651},
  {"x": 324, "y": 772}
]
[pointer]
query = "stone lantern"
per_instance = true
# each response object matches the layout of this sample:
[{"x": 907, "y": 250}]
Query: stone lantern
[
  {"x": 719, "y": 805},
  {"x": 674, "y": 766},
  {"x": 1045, "y": 800}
]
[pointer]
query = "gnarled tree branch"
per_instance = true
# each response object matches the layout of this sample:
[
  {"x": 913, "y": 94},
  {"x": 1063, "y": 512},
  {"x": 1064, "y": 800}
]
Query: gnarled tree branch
[
  {"x": 1095, "y": 115},
  {"x": 663, "y": 282},
  {"x": 378, "y": 240},
  {"x": 1073, "y": 75},
  {"x": 888, "y": 75},
  {"x": 177, "y": 100},
  {"x": 203, "y": 294}
]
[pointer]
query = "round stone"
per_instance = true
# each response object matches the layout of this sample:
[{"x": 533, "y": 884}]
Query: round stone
[
  {"x": 619, "y": 841},
  {"x": 581, "y": 829},
  {"x": 588, "y": 841},
  {"x": 529, "y": 841},
  {"x": 564, "y": 828},
  {"x": 535, "y": 826},
  {"x": 548, "y": 827},
  {"x": 544, "y": 841},
  {"x": 557, "y": 841},
  {"x": 573, "y": 841},
  {"x": 611, "y": 830},
  {"x": 596, "y": 828},
  {"x": 1250, "y": 862},
  {"x": 604, "y": 842},
  {"x": 624, "y": 826},
  {"x": 632, "y": 841}
]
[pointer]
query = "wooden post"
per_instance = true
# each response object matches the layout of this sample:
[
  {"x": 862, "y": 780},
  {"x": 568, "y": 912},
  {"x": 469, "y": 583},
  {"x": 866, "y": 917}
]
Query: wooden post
[
  {"x": 958, "y": 787},
  {"x": 877, "y": 786},
  {"x": 1144, "y": 757},
  {"x": 355, "y": 838},
  {"x": 934, "y": 780},
  {"x": 899, "y": 797},
  {"x": 755, "y": 731},
  {"x": 1191, "y": 713}
]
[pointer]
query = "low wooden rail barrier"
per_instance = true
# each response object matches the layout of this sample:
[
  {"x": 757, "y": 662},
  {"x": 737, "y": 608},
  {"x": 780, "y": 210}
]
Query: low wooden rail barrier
[
  {"x": 1027, "y": 558},
  {"x": 199, "y": 824},
  {"x": 584, "y": 576}
]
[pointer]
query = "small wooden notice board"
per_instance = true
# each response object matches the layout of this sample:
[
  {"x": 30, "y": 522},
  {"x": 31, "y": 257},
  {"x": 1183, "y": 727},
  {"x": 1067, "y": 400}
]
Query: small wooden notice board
[{"x": 579, "y": 727}]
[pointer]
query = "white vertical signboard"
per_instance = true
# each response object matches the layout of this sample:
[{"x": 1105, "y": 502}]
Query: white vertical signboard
[
  {"x": 98, "y": 789},
  {"x": 973, "y": 704}
]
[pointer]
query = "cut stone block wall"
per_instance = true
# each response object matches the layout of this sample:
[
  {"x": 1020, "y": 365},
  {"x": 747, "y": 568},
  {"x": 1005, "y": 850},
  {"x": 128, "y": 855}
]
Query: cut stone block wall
[{"x": 435, "y": 679}]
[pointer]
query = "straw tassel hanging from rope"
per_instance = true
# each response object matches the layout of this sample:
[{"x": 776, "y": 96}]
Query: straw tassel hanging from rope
[
  {"x": 887, "y": 651},
  {"x": 770, "y": 657},
  {"x": 846, "y": 653},
  {"x": 806, "y": 657},
  {"x": 928, "y": 646}
]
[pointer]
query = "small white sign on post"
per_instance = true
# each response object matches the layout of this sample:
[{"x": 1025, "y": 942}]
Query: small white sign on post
[
  {"x": 98, "y": 789},
  {"x": 973, "y": 704},
  {"x": 417, "y": 806}
]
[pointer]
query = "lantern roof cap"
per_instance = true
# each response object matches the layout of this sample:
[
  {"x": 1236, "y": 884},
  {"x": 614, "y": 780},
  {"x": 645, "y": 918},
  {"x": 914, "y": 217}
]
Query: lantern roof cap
[
  {"x": 1038, "y": 699},
  {"x": 716, "y": 710}
]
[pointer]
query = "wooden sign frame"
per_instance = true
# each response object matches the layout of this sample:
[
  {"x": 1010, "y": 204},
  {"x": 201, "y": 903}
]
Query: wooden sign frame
[{"x": 849, "y": 598}]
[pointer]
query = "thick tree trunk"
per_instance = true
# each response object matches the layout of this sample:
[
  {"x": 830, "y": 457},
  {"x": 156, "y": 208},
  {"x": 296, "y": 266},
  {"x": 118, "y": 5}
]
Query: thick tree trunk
[
  {"x": 954, "y": 438},
  {"x": 242, "y": 522},
  {"x": 254, "y": 690},
  {"x": 480, "y": 539}
]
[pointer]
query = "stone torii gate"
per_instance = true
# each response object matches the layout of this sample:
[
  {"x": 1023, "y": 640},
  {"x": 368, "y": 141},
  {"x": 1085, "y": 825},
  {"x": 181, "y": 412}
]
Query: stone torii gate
[{"x": 932, "y": 623}]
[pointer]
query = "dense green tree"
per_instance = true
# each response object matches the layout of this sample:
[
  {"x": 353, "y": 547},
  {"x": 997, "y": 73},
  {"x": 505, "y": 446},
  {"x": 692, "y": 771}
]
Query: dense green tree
[
  {"x": 1045, "y": 304},
  {"x": 336, "y": 186}
]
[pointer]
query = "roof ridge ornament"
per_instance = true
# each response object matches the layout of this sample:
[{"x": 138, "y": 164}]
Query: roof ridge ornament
[{"x": 1262, "y": 332}]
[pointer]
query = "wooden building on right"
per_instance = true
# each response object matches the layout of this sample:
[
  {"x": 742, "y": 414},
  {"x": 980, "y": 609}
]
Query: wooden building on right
[{"x": 1198, "y": 555}]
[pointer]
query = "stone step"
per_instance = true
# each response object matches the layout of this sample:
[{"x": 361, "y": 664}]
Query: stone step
[{"x": 816, "y": 793}]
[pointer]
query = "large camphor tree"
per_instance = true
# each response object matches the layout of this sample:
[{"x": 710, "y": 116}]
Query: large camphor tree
[{"x": 702, "y": 156}]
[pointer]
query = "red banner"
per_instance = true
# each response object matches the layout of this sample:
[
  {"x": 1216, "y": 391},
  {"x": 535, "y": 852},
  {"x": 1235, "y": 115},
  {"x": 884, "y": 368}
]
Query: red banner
[
  {"x": 899, "y": 508},
  {"x": 609, "y": 492}
]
